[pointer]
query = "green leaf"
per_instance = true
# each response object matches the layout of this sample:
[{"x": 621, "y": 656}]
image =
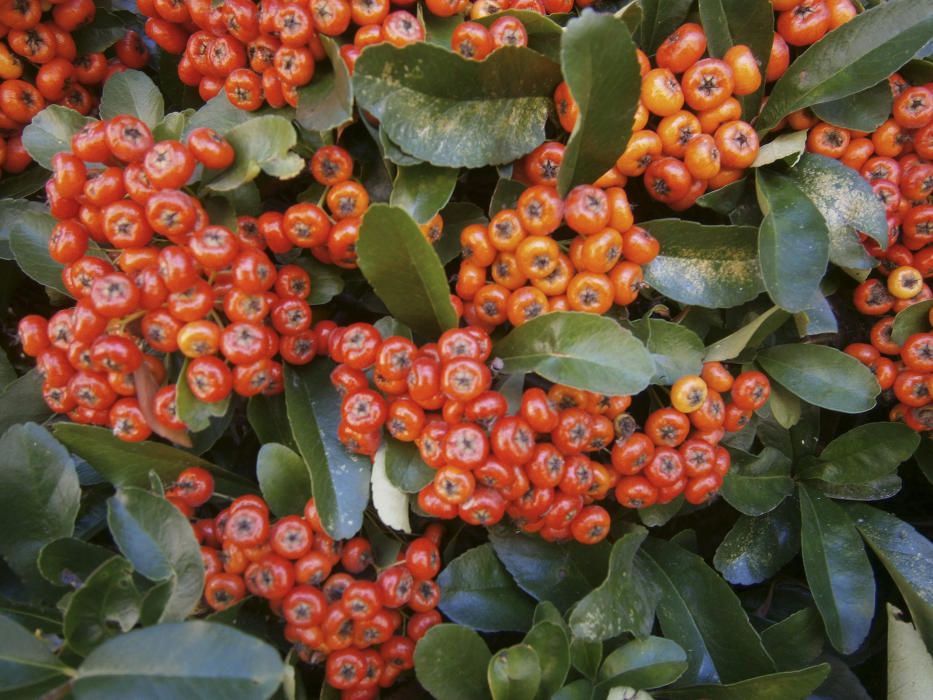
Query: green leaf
[
  {"x": 476, "y": 590},
  {"x": 25, "y": 660},
  {"x": 404, "y": 466},
  {"x": 25, "y": 183},
  {"x": 913, "y": 319},
  {"x": 506, "y": 195},
  {"x": 433, "y": 115},
  {"x": 104, "y": 31},
  {"x": 675, "y": 349},
  {"x": 580, "y": 350},
  {"x": 854, "y": 57},
  {"x": 39, "y": 495},
  {"x": 183, "y": 660},
  {"x": 661, "y": 18},
  {"x": 544, "y": 34},
  {"x": 451, "y": 663},
  {"x": 132, "y": 92},
  {"x": 268, "y": 416},
  {"x": 700, "y": 612},
  {"x": 327, "y": 102},
  {"x": 106, "y": 605},
  {"x": 875, "y": 490},
  {"x": 796, "y": 640},
  {"x": 404, "y": 270},
  {"x": 159, "y": 541},
  {"x": 757, "y": 484},
  {"x": 586, "y": 657},
  {"x": 906, "y": 554},
  {"x": 910, "y": 667},
  {"x": 195, "y": 413},
  {"x": 283, "y": 479},
  {"x": 660, "y": 513},
  {"x": 606, "y": 98},
  {"x": 821, "y": 375},
  {"x": 756, "y": 548},
  {"x": 50, "y": 132},
  {"x": 390, "y": 502},
  {"x": 733, "y": 344},
  {"x": 561, "y": 573},
  {"x": 259, "y": 142},
  {"x": 339, "y": 479},
  {"x": 863, "y": 111},
  {"x": 784, "y": 407},
  {"x": 68, "y": 561},
  {"x": 711, "y": 266},
  {"x": 624, "y": 602},
  {"x": 457, "y": 216},
  {"x": 125, "y": 464},
  {"x": 783, "y": 146},
  {"x": 550, "y": 642},
  {"x": 172, "y": 125},
  {"x": 29, "y": 241},
  {"x": 326, "y": 281},
  {"x": 514, "y": 673},
  {"x": 21, "y": 401},
  {"x": 644, "y": 663},
  {"x": 793, "y": 242},
  {"x": 218, "y": 114},
  {"x": 838, "y": 571},
  {"x": 423, "y": 190},
  {"x": 847, "y": 204},
  {"x": 864, "y": 453},
  {"x": 726, "y": 199},
  {"x": 788, "y": 685}
]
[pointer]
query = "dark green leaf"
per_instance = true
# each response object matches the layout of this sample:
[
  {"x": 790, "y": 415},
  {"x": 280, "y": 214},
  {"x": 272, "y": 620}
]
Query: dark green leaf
[
  {"x": 25, "y": 183},
  {"x": 39, "y": 495},
  {"x": 283, "y": 479},
  {"x": 476, "y": 590},
  {"x": 759, "y": 328},
  {"x": 404, "y": 270},
  {"x": 863, "y": 111},
  {"x": 339, "y": 479},
  {"x": 433, "y": 114},
  {"x": 661, "y": 17},
  {"x": 661, "y": 513},
  {"x": 578, "y": 349},
  {"x": 864, "y": 453},
  {"x": 103, "y": 32},
  {"x": 847, "y": 204},
  {"x": 195, "y": 413},
  {"x": 675, "y": 349},
  {"x": 327, "y": 102},
  {"x": 544, "y": 34},
  {"x": 159, "y": 541},
  {"x": 854, "y": 57},
  {"x": 550, "y": 642},
  {"x": 125, "y": 464},
  {"x": 712, "y": 266},
  {"x": 106, "y": 605},
  {"x": 267, "y": 415},
  {"x": 586, "y": 657},
  {"x": 624, "y": 602},
  {"x": 838, "y": 571},
  {"x": 260, "y": 143},
  {"x": 132, "y": 92},
  {"x": 457, "y": 216},
  {"x": 29, "y": 241},
  {"x": 68, "y": 561},
  {"x": 755, "y": 549},
  {"x": 644, "y": 663},
  {"x": 796, "y": 640},
  {"x": 756, "y": 485},
  {"x": 561, "y": 573},
  {"x": 404, "y": 466},
  {"x": 726, "y": 198},
  {"x": 913, "y": 319},
  {"x": 389, "y": 326},
  {"x": 819, "y": 318},
  {"x": 50, "y": 132},
  {"x": 21, "y": 401},
  {"x": 183, "y": 660},
  {"x": 514, "y": 673},
  {"x": 451, "y": 663},
  {"x": 793, "y": 242},
  {"x": 606, "y": 98},
  {"x": 25, "y": 660},
  {"x": 580, "y": 689},
  {"x": 875, "y": 490},
  {"x": 821, "y": 375},
  {"x": 906, "y": 554},
  {"x": 326, "y": 282},
  {"x": 700, "y": 612},
  {"x": 506, "y": 195},
  {"x": 789, "y": 685},
  {"x": 423, "y": 190}
]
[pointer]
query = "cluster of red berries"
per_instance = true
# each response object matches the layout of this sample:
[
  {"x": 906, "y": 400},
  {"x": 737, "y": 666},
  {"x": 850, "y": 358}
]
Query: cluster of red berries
[
  {"x": 530, "y": 273},
  {"x": 805, "y": 22},
  {"x": 338, "y": 610},
  {"x": 688, "y": 134},
  {"x": 55, "y": 73}
]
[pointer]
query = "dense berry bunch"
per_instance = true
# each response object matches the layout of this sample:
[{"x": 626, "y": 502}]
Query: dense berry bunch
[
  {"x": 339, "y": 610},
  {"x": 39, "y": 65},
  {"x": 805, "y": 22},
  {"x": 547, "y": 464}
]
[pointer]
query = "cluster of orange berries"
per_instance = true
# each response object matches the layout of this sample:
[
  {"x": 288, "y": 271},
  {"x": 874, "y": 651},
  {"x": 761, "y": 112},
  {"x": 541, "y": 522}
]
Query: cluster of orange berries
[
  {"x": 59, "y": 75},
  {"x": 540, "y": 465},
  {"x": 337, "y": 610},
  {"x": 805, "y": 22},
  {"x": 529, "y": 270}
]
